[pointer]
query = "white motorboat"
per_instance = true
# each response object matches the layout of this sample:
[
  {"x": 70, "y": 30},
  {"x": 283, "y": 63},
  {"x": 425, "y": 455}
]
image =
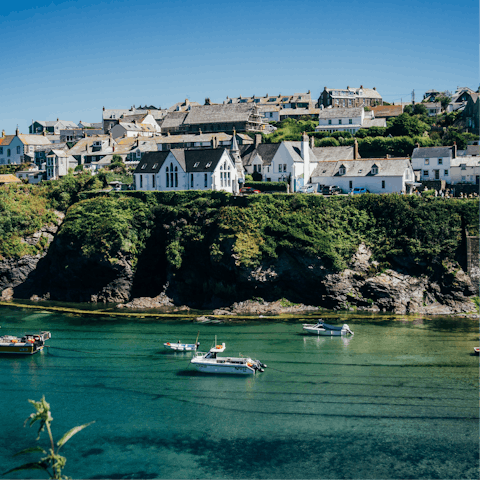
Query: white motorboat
[
  {"x": 211, "y": 363},
  {"x": 476, "y": 350},
  {"x": 324, "y": 329},
  {"x": 182, "y": 347},
  {"x": 29, "y": 344}
]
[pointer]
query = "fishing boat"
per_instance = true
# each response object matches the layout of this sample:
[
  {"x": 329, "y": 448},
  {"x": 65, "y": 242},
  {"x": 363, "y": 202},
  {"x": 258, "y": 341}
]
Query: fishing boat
[
  {"x": 210, "y": 363},
  {"x": 182, "y": 347},
  {"x": 476, "y": 350},
  {"x": 29, "y": 344},
  {"x": 324, "y": 329}
]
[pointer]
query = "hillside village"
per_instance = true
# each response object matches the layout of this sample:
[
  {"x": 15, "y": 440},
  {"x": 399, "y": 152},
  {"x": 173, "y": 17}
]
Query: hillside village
[{"x": 348, "y": 140}]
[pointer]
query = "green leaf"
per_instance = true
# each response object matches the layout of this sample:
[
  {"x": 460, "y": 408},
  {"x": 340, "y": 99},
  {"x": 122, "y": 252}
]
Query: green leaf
[
  {"x": 27, "y": 466},
  {"x": 71, "y": 433},
  {"x": 30, "y": 450}
]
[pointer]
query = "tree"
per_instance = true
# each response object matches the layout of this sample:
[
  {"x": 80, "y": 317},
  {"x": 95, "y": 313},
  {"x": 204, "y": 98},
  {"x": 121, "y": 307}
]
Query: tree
[
  {"x": 407, "y": 125},
  {"x": 420, "y": 109},
  {"x": 444, "y": 100}
]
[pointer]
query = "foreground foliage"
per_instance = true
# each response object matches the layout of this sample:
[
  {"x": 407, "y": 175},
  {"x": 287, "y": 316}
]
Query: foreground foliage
[{"x": 52, "y": 463}]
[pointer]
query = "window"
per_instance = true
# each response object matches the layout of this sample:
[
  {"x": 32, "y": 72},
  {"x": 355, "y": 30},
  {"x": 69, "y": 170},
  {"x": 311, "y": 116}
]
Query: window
[
  {"x": 176, "y": 176},
  {"x": 329, "y": 122},
  {"x": 208, "y": 164},
  {"x": 383, "y": 183},
  {"x": 437, "y": 174},
  {"x": 440, "y": 161},
  {"x": 9, "y": 152},
  {"x": 427, "y": 161},
  {"x": 144, "y": 166},
  {"x": 138, "y": 154},
  {"x": 167, "y": 173},
  {"x": 1, "y": 150},
  {"x": 463, "y": 166},
  {"x": 141, "y": 181},
  {"x": 153, "y": 181},
  {"x": 445, "y": 173},
  {"x": 340, "y": 121},
  {"x": 191, "y": 180},
  {"x": 350, "y": 184},
  {"x": 350, "y": 121},
  {"x": 206, "y": 181},
  {"x": 196, "y": 164},
  {"x": 280, "y": 167},
  {"x": 155, "y": 165},
  {"x": 375, "y": 170},
  {"x": 342, "y": 170},
  {"x": 425, "y": 173}
]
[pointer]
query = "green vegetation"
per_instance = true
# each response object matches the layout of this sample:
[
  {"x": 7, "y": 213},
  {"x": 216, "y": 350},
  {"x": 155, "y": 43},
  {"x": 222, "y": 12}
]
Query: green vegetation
[{"x": 52, "y": 463}]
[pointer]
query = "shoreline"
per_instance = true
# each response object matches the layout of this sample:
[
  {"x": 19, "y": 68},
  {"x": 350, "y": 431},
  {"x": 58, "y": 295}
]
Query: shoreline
[{"x": 226, "y": 318}]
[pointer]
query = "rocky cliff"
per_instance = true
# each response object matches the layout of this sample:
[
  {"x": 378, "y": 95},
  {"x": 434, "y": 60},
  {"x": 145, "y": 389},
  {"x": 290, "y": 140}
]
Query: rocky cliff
[{"x": 212, "y": 256}]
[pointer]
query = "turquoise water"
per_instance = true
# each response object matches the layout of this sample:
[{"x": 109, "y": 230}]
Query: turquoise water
[{"x": 397, "y": 400}]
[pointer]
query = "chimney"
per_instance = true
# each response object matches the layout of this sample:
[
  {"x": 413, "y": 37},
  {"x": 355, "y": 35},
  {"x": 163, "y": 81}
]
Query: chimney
[
  {"x": 199, "y": 131},
  {"x": 374, "y": 88},
  {"x": 138, "y": 142},
  {"x": 454, "y": 150},
  {"x": 16, "y": 131},
  {"x": 103, "y": 108},
  {"x": 258, "y": 139},
  {"x": 417, "y": 145},
  {"x": 312, "y": 142},
  {"x": 113, "y": 148},
  {"x": 57, "y": 119},
  {"x": 355, "y": 150},
  {"x": 3, "y": 133},
  {"x": 305, "y": 152},
  {"x": 361, "y": 86},
  {"x": 348, "y": 87},
  {"x": 44, "y": 133}
]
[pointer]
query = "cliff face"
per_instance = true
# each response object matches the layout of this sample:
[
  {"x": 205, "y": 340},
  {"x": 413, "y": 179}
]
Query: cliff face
[{"x": 206, "y": 256}]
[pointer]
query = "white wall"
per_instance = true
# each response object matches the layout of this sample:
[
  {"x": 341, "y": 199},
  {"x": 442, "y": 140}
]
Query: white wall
[{"x": 430, "y": 165}]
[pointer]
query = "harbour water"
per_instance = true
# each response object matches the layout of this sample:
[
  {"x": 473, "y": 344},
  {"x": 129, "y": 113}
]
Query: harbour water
[{"x": 398, "y": 400}]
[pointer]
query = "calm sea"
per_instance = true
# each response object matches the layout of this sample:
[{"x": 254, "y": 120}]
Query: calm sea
[{"x": 398, "y": 400}]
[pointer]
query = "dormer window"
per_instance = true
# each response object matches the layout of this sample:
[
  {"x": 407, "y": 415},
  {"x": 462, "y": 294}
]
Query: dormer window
[
  {"x": 342, "y": 170},
  {"x": 196, "y": 164},
  {"x": 208, "y": 164},
  {"x": 155, "y": 165},
  {"x": 360, "y": 170},
  {"x": 144, "y": 166},
  {"x": 374, "y": 169}
]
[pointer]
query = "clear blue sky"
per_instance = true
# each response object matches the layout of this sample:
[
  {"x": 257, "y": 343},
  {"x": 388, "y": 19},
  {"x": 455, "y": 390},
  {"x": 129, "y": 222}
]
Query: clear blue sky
[{"x": 68, "y": 59}]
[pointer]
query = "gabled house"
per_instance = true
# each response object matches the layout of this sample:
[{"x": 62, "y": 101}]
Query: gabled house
[
  {"x": 433, "y": 163},
  {"x": 50, "y": 127},
  {"x": 465, "y": 169},
  {"x": 377, "y": 175},
  {"x": 290, "y": 162},
  {"x": 111, "y": 117},
  {"x": 58, "y": 164},
  {"x": 349, "y": 97},
  {"x": 124, "y": 129},
  {"x": 349, "y": 120},
  {"x": 471, "y": 114},
  {"x": 433, "y": 108},
  {"x": 92, "y": 149},
  {"x": 459, "y": 99},
  {"x": 200, "y": 140},
  {"x": 179, "y": 169},
  {"x": 14, "y": 149}
]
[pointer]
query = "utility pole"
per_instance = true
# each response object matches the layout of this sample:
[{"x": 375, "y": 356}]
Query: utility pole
[{"x": 413, "y": 97}]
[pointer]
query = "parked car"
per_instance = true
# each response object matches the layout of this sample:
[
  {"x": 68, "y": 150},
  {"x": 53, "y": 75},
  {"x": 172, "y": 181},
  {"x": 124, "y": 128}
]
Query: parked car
[
  {"x": 249, "y": 190},
  {"x": 309, "y": 188},
  {"x": 359, "y": 190},
  {"x": 331, "y": 190}
]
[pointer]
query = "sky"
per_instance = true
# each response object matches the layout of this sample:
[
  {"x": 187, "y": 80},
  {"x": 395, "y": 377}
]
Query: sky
[{"x": 68, "y": 59}]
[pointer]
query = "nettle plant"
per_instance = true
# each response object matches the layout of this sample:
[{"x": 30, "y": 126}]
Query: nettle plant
[{"x": 53, "y": 462}]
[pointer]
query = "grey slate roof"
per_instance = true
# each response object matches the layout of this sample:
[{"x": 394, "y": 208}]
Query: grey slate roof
[
  {"x": 387, "y": 167},
  {"x": 174, "y": 119},
  {"x": 436, "y": 152},
  {"x": 333, "y": 153},
  {"x": 374, "y": 122},
  {"x": 340, "y": 112},
  {"x": 354, "y": 92},
  {"x": 219, "y": 113},
  {"x": 469, "y": 161},
  {"x": 266, "y": 150},
  {"x": 206, "y": 158},
  {"x": 151, "y": 162}
]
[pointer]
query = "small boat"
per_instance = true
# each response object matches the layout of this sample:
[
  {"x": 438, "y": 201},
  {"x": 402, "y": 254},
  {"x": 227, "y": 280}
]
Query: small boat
[
  {"x": 182, "y": 347},
  {"x": 211, "y": 363},
  {"x": 29, "y": 344},
  {"x": 322, "y": 328},
  {"x": 476, "y": 350}
]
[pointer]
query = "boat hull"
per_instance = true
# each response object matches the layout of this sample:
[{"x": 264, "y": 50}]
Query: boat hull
[
  {"x": 19, "y": 349},
  {"x": 182, "y": 347},
  {"x": 224, "y": 369},
  {"x": 323, "y": 332}
]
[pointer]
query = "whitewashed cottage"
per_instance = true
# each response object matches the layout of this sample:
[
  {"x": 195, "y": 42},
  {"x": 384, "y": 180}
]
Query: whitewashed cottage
[
  {"x": 377, "y": 175},
  {"x": 180, "y": 169},
  {"x": 433, "y": 163}
]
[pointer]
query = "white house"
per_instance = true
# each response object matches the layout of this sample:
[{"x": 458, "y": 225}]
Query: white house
[
  {"x": 14, "y": 148},
  {"x": 433, "y": 163},
  {"x": 347, "y": 120},
  {"x": 179, "y": 169},
  {"x": 280, "y": 162},
  {"x": 58, "y": 163},
  {"x": 377, "y": 175},
  {"x": 134, "y": 129},
  {"x": 465, "y": 169}
]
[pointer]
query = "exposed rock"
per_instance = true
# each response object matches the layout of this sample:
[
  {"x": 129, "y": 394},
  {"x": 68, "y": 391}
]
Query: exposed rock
[
  {"x": 148, "y": 302},
  {"x": 7, "y": 295},
  {"x": 251, "y": 307}
]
